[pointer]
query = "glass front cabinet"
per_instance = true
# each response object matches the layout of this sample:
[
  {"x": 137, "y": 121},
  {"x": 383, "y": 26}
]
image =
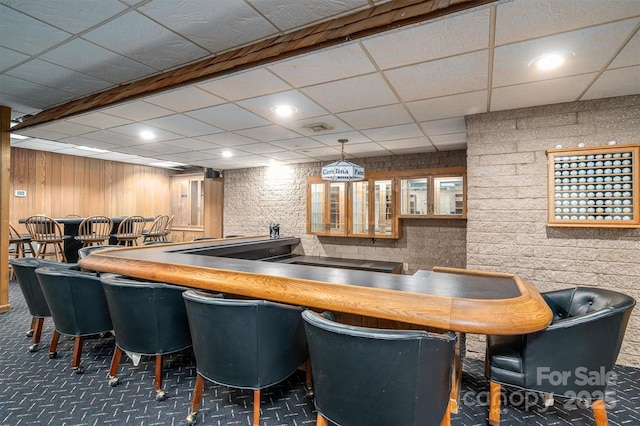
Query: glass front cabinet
[{"x": 374, "y": 207}]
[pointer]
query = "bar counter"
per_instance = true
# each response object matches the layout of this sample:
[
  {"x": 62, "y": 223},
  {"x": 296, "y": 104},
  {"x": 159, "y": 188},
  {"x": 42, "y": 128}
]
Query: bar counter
[{"x": 448, "y": 299}]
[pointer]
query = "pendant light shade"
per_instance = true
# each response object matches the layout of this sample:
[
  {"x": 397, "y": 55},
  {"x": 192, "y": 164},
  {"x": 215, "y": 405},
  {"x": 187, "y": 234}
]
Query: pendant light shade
[{"x": 342, "y": 171}]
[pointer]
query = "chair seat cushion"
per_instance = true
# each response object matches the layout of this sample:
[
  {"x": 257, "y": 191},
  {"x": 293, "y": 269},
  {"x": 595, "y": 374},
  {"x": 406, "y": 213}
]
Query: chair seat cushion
[{"x": 506, "y": 353}]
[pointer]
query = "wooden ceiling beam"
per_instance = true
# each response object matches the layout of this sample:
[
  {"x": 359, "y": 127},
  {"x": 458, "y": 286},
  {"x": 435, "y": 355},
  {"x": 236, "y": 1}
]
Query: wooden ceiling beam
[{"x": 385, "y": 17}]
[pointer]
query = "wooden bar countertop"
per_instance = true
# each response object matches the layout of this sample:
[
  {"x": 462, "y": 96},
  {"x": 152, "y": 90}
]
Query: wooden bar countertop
[{"x": 449, "y": 299}]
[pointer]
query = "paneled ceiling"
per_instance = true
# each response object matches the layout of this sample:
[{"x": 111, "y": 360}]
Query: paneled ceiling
[{"x": 401, "y": 91}]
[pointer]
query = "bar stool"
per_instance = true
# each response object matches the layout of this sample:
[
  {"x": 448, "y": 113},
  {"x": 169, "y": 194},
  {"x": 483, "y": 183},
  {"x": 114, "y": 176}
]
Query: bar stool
[
  {"x": 130, "y": 230},
  {"x": 46, "y": 232},
  {"x": 94, "y": 230},
  {"x": 21, "y": 246}
]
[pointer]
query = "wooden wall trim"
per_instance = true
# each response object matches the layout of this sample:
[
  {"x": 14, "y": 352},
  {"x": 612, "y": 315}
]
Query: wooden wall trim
[
  {"x": 387, "y": 16},
  {"x": 5, "y": 166}
]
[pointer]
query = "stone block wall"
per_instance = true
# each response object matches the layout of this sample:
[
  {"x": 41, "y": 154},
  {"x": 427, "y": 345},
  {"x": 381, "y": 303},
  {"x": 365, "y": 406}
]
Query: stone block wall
[
  {"x": 507, "y": 203},
  {"x": 256, "y": 197}
]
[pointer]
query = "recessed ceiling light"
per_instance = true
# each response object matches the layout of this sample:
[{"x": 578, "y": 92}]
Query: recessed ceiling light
[
  {"x": 552, "y": 60},
  {"x": 167, "y": 164},
  {"x": 227, "y": 154},
  {"x": 283, "y": 110},
  {"x": 147, "y": 135}
]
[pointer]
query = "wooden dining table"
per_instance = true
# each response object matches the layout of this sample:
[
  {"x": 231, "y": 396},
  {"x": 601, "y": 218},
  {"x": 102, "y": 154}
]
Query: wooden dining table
[{"x": 446, "y": 299}]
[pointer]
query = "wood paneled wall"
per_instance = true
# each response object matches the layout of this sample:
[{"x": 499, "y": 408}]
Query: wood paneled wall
[{"x": 58, "y": 185}]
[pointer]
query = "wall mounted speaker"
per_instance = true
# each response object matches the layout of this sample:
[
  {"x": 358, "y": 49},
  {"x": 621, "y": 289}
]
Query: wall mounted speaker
[{"x": 212, "y": 174}]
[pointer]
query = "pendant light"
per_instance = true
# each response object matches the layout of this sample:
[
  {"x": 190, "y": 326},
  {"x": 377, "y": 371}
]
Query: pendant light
[{"x": 342, "y": 171}]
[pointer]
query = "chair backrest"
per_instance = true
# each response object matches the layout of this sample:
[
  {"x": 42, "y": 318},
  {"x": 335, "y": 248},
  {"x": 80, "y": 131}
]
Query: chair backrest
[
  {"x": 159, "y": 225},
  {"x": 148, "y": 318},
  {"x": 76, "y": 301},
  {"x": 96, "y": 227},
  {"x": 14, "y": 236},
  {"x": 587, "y": 331},
  {"x": 132, "y": 226},
  {"x": 167, "y": 229},
  {"x": 245, "y": 343},
  {"x": 372, "y": 377},
  {"x": 43, "y": 228},
  {"x": 24, "y": 269}
]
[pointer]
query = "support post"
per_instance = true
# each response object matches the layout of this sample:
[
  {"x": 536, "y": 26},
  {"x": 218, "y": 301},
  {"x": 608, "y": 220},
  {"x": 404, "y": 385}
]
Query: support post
[{"x": 5, "y": 167}]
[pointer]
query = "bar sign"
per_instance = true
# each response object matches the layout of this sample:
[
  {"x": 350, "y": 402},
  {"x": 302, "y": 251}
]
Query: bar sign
[{"x": 21, "y": 193}]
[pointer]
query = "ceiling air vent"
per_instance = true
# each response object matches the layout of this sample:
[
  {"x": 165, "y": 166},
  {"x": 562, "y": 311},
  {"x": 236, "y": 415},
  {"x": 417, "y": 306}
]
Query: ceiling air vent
[{"x": 318, "y": 127}]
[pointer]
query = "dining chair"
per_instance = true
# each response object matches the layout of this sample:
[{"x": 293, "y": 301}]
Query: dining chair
[
  {"x": 167, "y": 229},
  {"x": 46, "y": 232},
  {"x": 94, "y": 230},
  {"x": 78, "y": 308},
  {"x": 149, "y": 319},
  {"x": 19, "y": 246},
  {"x": 129, "y": 230},
  {"x": 157, "y": 230},
  {"x": 243, "y": 343},
  {"x": 571, "y": 358},
  {"x": 24, "y": 269},
  {"x": 374, "y": 377}
]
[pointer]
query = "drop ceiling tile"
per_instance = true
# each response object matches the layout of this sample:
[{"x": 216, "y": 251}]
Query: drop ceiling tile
[
  {"x": 617, "y": 82},
  {"x": 288, "y": 156},
  {"x": 51, "y": 75},
  {"x": 234, "y": 153},
  {"x": 360, "y": 150},
  {"x": 269, "y": 133},
  {"x": 235, "y": 23},
  {"x": 228, "y": 117},
  {"x": 141, "y": 150},
  {"x": 431, "y": 40},
  {"x": 17, "y": 30},
  {"x": 33, "y": 93},
  {"x": 71, "y": 16},
  {"x": 448, "y": 140},
  {"x": 78, "y": 140},
  {"x": 445, "y": 126},
  {"x": 99, "y": 120},
  {"x": 390, "y": 115},
  {"x": 192, "y": 144},
  {"x": 553, "y": 17},
  {"x": 404, "y": 131},
  {"x": 326, "y": 153},
  {"x": 227, "y": 139},
  {"x": 245, "y": 85},
  {"x": 21, "y": 107},
  {"x": 9, "y": 58},
  {"x": 160, "y": 148},
  {"x": 260, "y": 148},
  {"x": 91, "y": 59},
  {"x": 36, "y": 132},
  {"x": 567, "y": 89},
  {"x": 66, "y": 128},
  {"x": 458, "y": 74},
  {"x": 352, "y": 137},
  {"x": 263, "y": 105},
  {"x": 190, "y": 156},
  {"x": 182, "y": 125},
  {"x": 298, "y": 144},
  {"x": 345, "y": 61},
  {"x": 135, "y": 36},
  {"x": 185, "y": 99},
  {"x": 629, "y": 55},
  {"x": 114, "y": 138},
  {"x": 290, "y": 14},
  {"x": 134, "y": 130},
  {"x": 40, "y": 144},
  {"x": 449, "y": 106},
  {"x": 353, "y": 93},
  {"x": 592, "y": 48},
  {"x": 397, "y": 145},
  {"x": 137, "y": 111}
]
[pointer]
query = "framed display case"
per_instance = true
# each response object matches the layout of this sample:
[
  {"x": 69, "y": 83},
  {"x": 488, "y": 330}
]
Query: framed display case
[{"x": 594, "y": 186}]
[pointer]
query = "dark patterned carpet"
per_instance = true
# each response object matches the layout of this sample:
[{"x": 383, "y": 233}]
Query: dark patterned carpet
[{"x": 36, "y": 390}]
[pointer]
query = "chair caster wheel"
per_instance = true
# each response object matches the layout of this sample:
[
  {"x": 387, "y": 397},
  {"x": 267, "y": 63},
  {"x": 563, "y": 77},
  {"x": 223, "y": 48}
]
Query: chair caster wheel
[
  {"x": 33, "y": 348},
  {"x": 113, "y": 381},
  {"x": 79, "y": 369},
  {"x": 161, "y": 395},
  {"x": 29, "y": 333},
  {"x": 191, "y": 419},
  {"x": 53, "y": 355}
]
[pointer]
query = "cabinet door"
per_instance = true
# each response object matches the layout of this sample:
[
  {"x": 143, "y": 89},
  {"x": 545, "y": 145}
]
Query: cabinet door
[
  {"x": 448, "y": 195},
  {"x": 414, "y": 196},
  {"x": 383, "y": 212},
  {"x": 359, "y": 209},
  {"x": 337, "y": 208},
  {"x": 317, "y": 208}
]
